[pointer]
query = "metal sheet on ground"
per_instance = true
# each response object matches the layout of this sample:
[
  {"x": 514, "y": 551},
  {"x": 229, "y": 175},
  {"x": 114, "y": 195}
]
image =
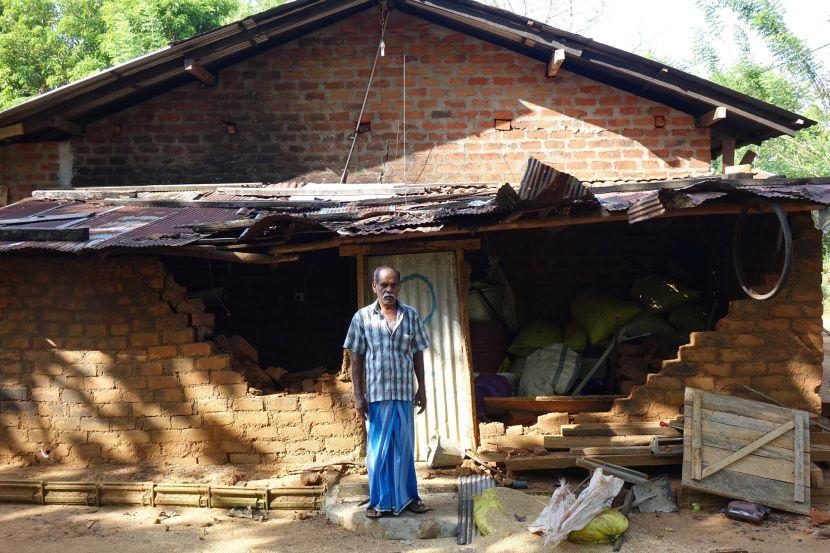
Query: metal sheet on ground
[
  {"x": 429, "y": 284},
  {"x": 746, "y": 449}
]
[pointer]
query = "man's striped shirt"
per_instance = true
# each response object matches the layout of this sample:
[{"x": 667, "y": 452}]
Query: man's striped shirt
[{"x": 388, "y": 367}]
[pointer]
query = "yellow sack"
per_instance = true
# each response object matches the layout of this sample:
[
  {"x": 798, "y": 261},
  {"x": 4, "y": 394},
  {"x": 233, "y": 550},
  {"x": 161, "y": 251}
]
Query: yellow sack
[
  {"x": 603, "y": 528},
  {"x": 575, "y": 336},
  {"x": 535, "y": 335}
]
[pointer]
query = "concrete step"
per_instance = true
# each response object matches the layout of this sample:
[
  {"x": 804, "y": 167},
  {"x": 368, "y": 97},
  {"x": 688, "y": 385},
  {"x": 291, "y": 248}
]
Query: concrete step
[{"x": 440, "y": 522}]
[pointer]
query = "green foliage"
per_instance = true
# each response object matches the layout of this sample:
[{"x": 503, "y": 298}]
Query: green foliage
[{"x": 48, "y": 43}]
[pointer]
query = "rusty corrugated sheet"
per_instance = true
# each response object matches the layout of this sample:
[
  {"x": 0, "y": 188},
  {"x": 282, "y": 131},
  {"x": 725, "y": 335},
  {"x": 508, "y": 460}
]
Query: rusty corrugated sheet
[{"x": 542, "y": 184}]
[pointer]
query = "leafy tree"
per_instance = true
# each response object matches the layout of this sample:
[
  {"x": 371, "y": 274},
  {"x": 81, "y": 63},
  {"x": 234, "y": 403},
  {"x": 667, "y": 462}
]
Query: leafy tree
[{"x": 48, "y": 43}]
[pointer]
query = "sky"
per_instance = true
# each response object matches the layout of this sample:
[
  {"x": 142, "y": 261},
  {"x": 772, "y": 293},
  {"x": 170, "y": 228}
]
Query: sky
[{"x": 666, "y": 28}]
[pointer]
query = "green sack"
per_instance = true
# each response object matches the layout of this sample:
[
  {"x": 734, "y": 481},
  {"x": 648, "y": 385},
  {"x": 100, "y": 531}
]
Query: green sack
[
  {"x": 603, "y": 528},
  {"x": 535, "y": 335},
  {"x": 660, "y": 294},
  {"x": 575, "y": 336},
  {"x": 689, "y": 318},
  {"x": 601, "y": 314}
]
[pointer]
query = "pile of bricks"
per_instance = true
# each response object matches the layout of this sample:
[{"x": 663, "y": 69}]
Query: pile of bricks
[{"x": 100, "y": 361}]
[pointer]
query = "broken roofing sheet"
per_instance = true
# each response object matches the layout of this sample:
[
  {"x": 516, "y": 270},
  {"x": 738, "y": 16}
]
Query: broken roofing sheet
[{"x": 252, "y": 215}]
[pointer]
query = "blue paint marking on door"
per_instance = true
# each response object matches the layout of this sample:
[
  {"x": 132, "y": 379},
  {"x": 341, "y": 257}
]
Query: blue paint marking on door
[{"x": 427, "y": 319}]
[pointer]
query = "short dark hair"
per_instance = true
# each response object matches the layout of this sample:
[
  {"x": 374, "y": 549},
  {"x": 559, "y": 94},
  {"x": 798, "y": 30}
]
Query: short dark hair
[{"x": 379, "y": 268}]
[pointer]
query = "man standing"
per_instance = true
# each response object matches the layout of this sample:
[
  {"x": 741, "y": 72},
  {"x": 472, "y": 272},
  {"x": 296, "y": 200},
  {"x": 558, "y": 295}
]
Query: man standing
[{"x": 387, "y": 342}]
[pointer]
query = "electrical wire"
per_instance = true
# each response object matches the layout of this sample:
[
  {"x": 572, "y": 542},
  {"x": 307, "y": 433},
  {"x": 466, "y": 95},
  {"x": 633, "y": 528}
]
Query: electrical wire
[{"x": 345, "y": 174}]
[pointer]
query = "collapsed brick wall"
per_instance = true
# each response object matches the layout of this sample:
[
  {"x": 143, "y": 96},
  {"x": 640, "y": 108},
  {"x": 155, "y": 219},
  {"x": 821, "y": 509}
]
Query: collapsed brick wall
[
  {"x": 293, "y": 108},
  {"x": 100, "y": 362},
  {"x": 28, "y": 166},
  {"x": 774, "y": 346}
]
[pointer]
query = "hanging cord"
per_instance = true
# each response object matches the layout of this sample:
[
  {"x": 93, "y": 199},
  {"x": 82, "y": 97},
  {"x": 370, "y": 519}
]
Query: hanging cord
[
  {"x": 213, "y": 287},
  {"x": 381, "y": 46}
]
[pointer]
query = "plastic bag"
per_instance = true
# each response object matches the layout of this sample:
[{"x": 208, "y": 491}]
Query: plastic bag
[
  {"x": 566, "y": 513},
  {"x": 575, "y": 336},
  {"x": 745, "y": 511},
  {"x": 535, "y": 335},
  {"x": 601, "y": 315},
  {"x": 603, "y": 528},
  {"x": 501, "y": 511},
  {"x": 550, "y": 371},
  {"x": 660, "y": 294}
]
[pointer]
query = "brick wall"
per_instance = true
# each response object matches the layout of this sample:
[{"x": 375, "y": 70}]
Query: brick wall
[
  {"x": 294, "y": 107},
  {"x": 29, "y": 166},
  {"x": 774, "y": 346},
  {"x": 101, "y": 361}
]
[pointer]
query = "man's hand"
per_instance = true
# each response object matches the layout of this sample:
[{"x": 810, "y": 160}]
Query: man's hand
[
  {"x": 421, "y": 400},
  {"x": 361, "y": 407}
]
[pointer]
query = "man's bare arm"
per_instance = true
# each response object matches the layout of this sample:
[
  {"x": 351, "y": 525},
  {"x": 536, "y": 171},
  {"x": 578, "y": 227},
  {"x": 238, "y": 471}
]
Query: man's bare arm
[
  {"x": 421, "y": 394},
  {"x": 360, "y": 406}
]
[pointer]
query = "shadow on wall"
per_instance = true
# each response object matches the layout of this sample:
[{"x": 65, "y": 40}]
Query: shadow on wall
[
  {"x": 474, "y": 113},
  {"x": 97, "y": 368}
]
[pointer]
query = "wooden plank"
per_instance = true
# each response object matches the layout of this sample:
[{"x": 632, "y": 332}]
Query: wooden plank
[
  {"x": 745, "y": 407},
  {"x": 629, "y": 475},
  {"x": 556, "y": 61},
  {"x": 714, "y": 116},
  {"x": 44, "y": 234},
  {"x": 727, "y": 483},
  {"x": 801, "y": 457},
  {"x": 715, "y": 436},
  {"x": 568, "y": 442},
  {"x": 747, "y": 449},
  {"x": 742, "y": 425},
  {"x": 748, "y": 157},
  {"x": 517, "y": 442},
  {"x": 624, "y": 450},
  {"x": 774, "y": 469},
  {"x": 559, "y": 460},
  {"x": 462, "y": 271},
  {"x": 618, "y": 429},
  {"x": 552, "y": 404},
  {"x": 199, "y": 72},
  {"x": 697, "y": 465},
  {"x": 820, "y": 438}
]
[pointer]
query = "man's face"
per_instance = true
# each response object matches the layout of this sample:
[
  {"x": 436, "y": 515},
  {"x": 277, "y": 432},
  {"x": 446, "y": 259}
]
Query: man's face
[{"x": 387, "y": 287}]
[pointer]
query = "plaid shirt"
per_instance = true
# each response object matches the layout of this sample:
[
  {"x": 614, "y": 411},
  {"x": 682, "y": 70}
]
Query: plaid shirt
[{"x": 388, "y": 366}]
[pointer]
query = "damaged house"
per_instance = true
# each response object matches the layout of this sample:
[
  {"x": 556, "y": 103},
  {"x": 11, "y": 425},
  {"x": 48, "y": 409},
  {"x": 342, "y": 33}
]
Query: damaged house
[{"x": 191, "y": 231}]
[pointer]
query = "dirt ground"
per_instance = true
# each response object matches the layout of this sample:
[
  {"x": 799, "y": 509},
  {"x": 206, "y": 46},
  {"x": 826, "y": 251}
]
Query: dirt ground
[
  {"x": 63, "y": 529},
  {"x": 66, "y": 529}
]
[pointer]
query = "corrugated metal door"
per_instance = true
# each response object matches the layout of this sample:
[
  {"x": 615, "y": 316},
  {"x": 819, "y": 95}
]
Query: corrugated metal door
[{"x": 429, "y": 284}]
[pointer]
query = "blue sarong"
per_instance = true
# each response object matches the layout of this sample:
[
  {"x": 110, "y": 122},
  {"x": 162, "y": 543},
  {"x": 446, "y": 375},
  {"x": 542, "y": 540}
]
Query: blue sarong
[{"x": 390, "y": 459}]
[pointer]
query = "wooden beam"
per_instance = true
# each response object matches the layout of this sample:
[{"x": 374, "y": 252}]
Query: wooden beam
[
  {"x": 748, "y": 158},
  {"x": 209, "y": 252},
  {"x": 44, "y": 234},
  {"x": 410, "y": 246},
  {"x": 194, "y": 68},
  {"x": 728, "y": 152},
  {"x": 552, "y": 404},
  {"x": 714, "y": 116},
  {"x": 556, "y": 61},
  {"x": 12, "y": 130},
  {"x": 69, "y": 127},
  {"x": 618, "y": 429}
]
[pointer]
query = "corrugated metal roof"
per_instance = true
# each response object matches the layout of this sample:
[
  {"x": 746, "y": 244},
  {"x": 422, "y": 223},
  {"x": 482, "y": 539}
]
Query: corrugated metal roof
[{"x": 152, "y": 217}]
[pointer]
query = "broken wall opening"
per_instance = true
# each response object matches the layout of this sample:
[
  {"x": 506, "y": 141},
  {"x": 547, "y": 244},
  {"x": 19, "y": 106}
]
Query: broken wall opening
[
  {"x": 548, "y": 269},
  {"x": 290, "y": 316}
]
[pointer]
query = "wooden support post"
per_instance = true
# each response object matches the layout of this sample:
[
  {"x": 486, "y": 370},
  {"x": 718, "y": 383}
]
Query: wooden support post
[
  {"x": 194, "y": 68},
  {"x": 728, "y": 152},
  {"x": 748, "y": 158},
  {"x": 717, "y": 114},
  {"x": 556, "y": 61}
]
